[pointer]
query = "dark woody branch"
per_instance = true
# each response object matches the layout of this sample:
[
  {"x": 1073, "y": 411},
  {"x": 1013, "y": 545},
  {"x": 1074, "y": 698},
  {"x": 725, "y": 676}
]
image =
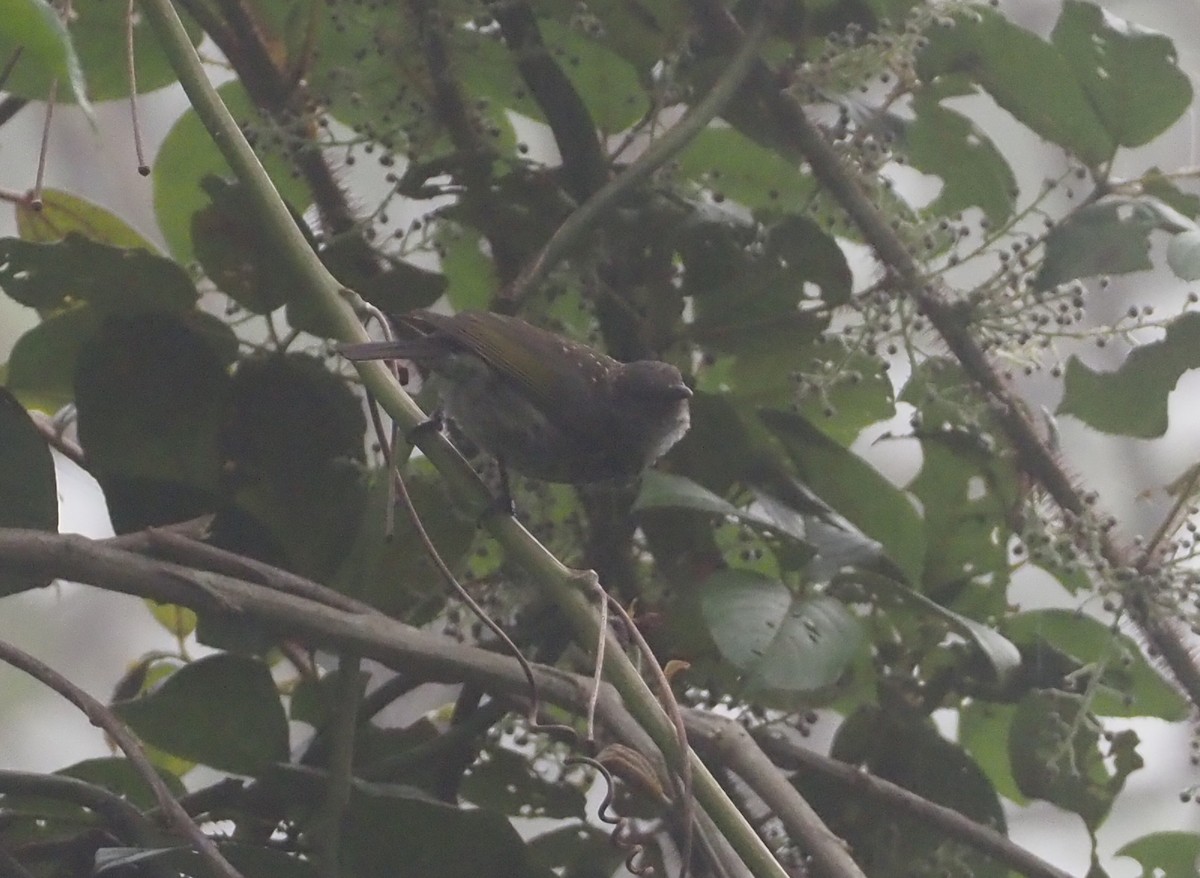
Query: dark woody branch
[
  {"x": 585, "y": 167},
  {"x": 422, "y": 655}
]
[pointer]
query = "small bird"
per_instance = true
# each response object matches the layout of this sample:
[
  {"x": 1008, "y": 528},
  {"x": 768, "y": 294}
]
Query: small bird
[{"x": 551, "y": 408}]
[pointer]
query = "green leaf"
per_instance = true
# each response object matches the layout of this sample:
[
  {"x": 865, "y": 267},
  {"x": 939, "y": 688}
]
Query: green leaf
[
  {"x": 1109, "y": 237},
  {"x": 432, "y": 840},
  {"x": 850, "y": 391},
  {"x": 235, "y": 252},
  {"x": 188, "y": 156},
  {"x": 778, "y": 641},
  {"x": 291, "y": 445},
  {"x": 77, "y": 270},
  {"x": 27, "y": 483},
  {"x": 968, "y": 494},
  {"x": 1014, "y": 66},
  {"x": 28, "y": 486},
  {"x": 222, "y": 711},
  {"x": 1130, "y": 685},
  {"x": 608, "y": 84},
  {"x": 508, "y": 782},
  {"x": 661, "y": 490},
  {"x": 289, "y": 415},
  {"x": 1118, "y": 64},
  {"x": 1164, "y": 853},
  {"x": 41, "y": 367},
  {"x": 794, "y": 266},
  {"x": 392, "y": 569},
  {"x": 1132, "y": 401},
  {"x": 118, "y": 775},
  {"x": 96, "y": 28},
  {"x": 854, "y": 489},
  {"x": 729, "y": 163},
  {"x": 63, "y": 213},
  {"x": 908, "y": 751},
  {"x": 47, "y": 53},
  {"x": 983, "y": 728},
  {"x": 374, "y": 89},
  {"x": 150, "y": 390},
  {"x": 1002, "y": 656},
  {"x": 178, "y": 621},
  {"x": 470, "y": 274},
  {"x": 1161, "y": 187},
  {"x": 974, "y": 172},
  {"x": 1056, "y": 755},
  {"x": 645, "y": 32}
]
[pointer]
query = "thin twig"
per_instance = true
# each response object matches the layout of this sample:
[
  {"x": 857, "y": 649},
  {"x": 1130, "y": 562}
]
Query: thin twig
[
  {"x": 170, "y": 545},
  {"x": 47, "y": 427},
  {"x": 481, "y": 614},
  {"x": 598, "y": 663},
  {"x": 35, "y": 200},
  {"x": 131, "y": 65},
  {"x": 126, "y": 821},
  {"x": 671, "y": 705},
  {"x": 339, "y": 779},
  {"x": 675, "y": 139},
  {"x": 102, "y": 717}
]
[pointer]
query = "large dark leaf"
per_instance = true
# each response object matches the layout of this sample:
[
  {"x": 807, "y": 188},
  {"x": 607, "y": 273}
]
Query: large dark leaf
[
  {"x": 1056, "y": 754},
  {"x": 293, "y": 484},
  {"x": 1109, "y": 237},
  {"x": 511, "y": 783},
  {"x": 1015, "y": 66},
  {"x": 1118, "y": 64},
  {"x": 907, "y": 750},
  {"x": 392, "y": 569},
  {"x": 395, "y": 832},
  {"x": 28, "y": 486},
  {"x": 1132, "y": 401},
  {"x": 28, "y": 489},
  {"x": 1129, "y": 684},
  {"x": 222, "y": 711},
  {"x": 150, "y": 391},
  {"x": 188, "y": 155},
  {"x": 854, "y": 489},
  {"x": 77, "y": 270},
  {"x": 118, "y": 775},
  {"x": 777, "y": 640}
]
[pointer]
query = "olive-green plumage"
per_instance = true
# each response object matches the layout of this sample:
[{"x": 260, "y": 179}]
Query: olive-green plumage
[{"x": 549, "y": 407}]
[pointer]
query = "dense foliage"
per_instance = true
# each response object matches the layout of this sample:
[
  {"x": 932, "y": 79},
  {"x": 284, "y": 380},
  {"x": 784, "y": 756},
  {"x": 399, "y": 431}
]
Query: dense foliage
[{"x": 784, "y": 256}]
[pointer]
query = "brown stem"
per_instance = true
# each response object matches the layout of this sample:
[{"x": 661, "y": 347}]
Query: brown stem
[
  {"x": 585, "y": 168},
  {"x": 477, "y": 153}
]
